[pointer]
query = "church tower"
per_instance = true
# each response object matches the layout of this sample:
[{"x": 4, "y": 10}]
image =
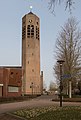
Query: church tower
[{"x": 31, "y": 81}]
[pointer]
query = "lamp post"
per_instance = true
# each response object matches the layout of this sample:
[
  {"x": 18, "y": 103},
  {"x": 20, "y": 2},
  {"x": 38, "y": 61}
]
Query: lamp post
[{"x": 61, "y": 87}]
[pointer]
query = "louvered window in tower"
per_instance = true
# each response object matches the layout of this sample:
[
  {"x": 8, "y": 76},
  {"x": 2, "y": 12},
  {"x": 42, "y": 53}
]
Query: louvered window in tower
[
  {"x": 23, "y": 32},
  {"x": 30, "y": 31},
  {"x": 37, "y": 33}
]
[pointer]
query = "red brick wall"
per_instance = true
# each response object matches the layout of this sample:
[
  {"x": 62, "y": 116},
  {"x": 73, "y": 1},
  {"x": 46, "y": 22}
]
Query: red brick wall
[
  {"x": 14, "y": 94},
  {"x": 11, "y": 77},
  {"x": 5, "y": 82},
  {"x": 15, "y": 76},
  {"x": 1, "y": 75}
]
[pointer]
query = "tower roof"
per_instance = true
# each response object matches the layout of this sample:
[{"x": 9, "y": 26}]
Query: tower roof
[{"x": 31, "y": 13}]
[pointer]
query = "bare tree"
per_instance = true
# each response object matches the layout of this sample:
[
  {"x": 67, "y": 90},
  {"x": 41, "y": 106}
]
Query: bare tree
[
  {"x": 68, "y": 47},
  {"x": 53, "y": 86},
  {"x": 53, "y": 3}
]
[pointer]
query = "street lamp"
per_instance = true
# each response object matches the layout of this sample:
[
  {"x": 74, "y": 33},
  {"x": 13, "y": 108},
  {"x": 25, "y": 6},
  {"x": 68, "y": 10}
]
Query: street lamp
[{"x": 61, "y": 87}]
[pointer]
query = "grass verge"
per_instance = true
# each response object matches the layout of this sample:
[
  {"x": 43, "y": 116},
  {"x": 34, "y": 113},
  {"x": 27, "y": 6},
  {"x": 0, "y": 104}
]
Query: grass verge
[{"x": 50, "y": 113}]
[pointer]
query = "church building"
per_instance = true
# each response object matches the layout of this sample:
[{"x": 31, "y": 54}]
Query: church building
[{"x": 25, "y": 79}]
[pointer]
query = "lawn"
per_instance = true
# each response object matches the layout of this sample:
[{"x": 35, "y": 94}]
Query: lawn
[{"x": 50, "y": 113}]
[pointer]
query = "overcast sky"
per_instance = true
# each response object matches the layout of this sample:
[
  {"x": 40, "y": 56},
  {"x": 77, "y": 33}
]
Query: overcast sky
[{"x": 11, "y": 13}]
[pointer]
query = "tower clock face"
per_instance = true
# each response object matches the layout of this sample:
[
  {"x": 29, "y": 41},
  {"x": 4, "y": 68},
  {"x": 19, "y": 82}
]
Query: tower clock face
[{"x": 30, "y": 20}]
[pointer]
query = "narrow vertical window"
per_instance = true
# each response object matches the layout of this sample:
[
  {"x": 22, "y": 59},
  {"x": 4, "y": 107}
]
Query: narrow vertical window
[
  {"x": 37, "y": 33},
  {"x": 23, "y": 32},
  {"x": 28, "y": 31}
]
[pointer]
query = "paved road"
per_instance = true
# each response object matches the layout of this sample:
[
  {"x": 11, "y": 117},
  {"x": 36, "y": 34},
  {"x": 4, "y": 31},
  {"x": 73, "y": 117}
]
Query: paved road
[{"x": 37, "y": 102}]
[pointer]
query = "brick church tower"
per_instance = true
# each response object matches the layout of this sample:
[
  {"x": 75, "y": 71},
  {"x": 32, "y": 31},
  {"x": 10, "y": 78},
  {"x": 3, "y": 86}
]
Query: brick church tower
[{"x": 31, "y": 81}]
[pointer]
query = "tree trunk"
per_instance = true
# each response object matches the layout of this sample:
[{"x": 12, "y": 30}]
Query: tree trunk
[
  {"x": 67, "y": 91},
  {"x": 70, "y": 95}
]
